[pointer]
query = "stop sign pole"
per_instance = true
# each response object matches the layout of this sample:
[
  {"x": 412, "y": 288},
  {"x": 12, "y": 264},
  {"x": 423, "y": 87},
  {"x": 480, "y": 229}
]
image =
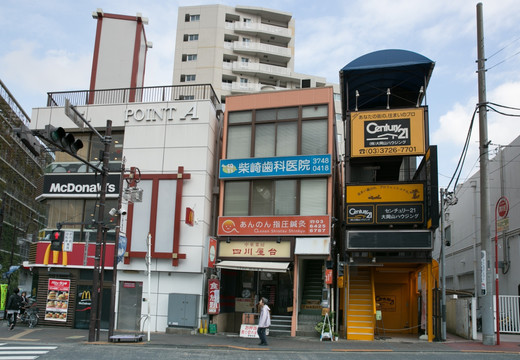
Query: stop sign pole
[{"x": 501, "y": 209}]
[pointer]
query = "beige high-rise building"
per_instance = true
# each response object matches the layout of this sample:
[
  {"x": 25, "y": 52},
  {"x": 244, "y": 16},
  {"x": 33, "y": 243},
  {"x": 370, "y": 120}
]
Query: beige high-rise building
[{"x": 238, "y": 50}]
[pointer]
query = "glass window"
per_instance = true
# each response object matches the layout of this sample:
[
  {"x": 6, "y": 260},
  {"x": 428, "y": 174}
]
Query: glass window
[
  {"x": 287, "y": 113},
  {"x": 287, "y": 139},
  {"x": 239, "y": 142},
  {"x": 314, "y": 111},
  {"x": 314, "y": 137},
  {"x": 264, "y": 140},
  {"x": 265, "y": 115},
  {"x": 285, "y": 198},
  {"x": 195, "y": 17},
  {"x": 313, "y": 197},
  {"x": 236, "y": 199},
  {"x": 262, "y": 199},
  {"x": 240, "y": 116}
]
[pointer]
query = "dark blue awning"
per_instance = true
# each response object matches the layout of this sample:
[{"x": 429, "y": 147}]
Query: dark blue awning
[{"x": 371, "y": 75}]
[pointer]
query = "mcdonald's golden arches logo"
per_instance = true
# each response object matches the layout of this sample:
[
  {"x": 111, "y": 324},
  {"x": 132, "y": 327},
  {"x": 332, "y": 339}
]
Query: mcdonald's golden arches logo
[{"x": 85, "y": 295}]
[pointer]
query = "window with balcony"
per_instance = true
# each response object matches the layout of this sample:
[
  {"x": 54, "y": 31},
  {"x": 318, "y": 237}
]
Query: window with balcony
[
  {"x": 266, "y": 197},
  {"x": 191, "y": 37},
  {"x": 189, "y": 57},
  {"x": 244, "y": 60},
  {"x": 190, "y": 18}
]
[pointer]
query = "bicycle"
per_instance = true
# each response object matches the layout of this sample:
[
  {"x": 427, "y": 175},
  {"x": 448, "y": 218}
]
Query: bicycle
[{"x": 30, "y": 315}]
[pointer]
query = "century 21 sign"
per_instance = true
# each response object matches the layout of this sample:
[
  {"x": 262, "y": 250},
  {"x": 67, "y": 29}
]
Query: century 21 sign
[{"x": 388, "y": 132}]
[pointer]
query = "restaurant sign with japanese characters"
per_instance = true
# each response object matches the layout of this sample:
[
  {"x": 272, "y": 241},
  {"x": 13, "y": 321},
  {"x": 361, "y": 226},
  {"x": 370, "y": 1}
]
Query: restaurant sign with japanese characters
[
  {"x": 388, "y": 132},
  {"x": 385, "y": 204},
  {"x": 307, "y": 165},
  {"x": 255, "y": 249},
  {"x": 274, "y": 225}
]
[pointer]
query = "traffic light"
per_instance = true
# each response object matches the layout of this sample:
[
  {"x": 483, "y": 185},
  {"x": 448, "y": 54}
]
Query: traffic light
[
  {"x": 56, "y": 240},
  {"x": 28, "y": 139},
  {"x": 63, "y": 139}
]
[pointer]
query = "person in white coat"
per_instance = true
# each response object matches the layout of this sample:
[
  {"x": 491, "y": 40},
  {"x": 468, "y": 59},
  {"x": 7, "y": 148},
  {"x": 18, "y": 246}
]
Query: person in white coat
[{"x": 264, "y": 321}]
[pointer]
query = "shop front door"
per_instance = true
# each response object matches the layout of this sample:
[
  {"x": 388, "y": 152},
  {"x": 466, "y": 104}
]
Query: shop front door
[{"x": 129, "y": 308}]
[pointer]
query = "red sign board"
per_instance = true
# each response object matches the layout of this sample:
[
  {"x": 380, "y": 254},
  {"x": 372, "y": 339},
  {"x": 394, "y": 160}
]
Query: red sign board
[
  {"x": 213, "y": 296},
  {"x": 503, "y": 207},
  {"x": 274, "y": 225},
  {"x": 328, "y": 276}
]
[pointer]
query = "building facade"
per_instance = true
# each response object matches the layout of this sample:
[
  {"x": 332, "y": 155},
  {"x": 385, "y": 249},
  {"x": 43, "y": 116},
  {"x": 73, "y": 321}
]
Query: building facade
[
  {"x": 278, "y": 207},
  {"x": 22, "y": 164},
  {"x": 240, "y": 50},
  {"x": 391, "y": 204},
  {"x": 158, "y": 208},
  {"x": 462, "y": 228}
]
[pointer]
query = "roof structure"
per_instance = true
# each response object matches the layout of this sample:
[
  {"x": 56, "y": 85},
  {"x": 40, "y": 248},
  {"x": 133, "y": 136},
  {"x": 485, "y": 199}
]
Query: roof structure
[{"x": 385, "y": 79}]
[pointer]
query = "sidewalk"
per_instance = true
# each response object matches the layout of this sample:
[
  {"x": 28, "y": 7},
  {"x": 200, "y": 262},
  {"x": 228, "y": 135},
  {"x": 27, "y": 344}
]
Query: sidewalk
[{"x": 59, "y": 335}]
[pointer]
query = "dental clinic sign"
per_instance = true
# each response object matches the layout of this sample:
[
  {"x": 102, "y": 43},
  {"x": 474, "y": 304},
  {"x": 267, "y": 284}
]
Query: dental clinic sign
[
  {"x": 305, "y": 165},
  {"x": 388, "y": 132},
  {"x": 78, "y": 185}
]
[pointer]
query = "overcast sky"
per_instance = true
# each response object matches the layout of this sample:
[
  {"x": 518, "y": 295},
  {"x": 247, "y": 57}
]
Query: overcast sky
[{"x": 47, "y": 46}]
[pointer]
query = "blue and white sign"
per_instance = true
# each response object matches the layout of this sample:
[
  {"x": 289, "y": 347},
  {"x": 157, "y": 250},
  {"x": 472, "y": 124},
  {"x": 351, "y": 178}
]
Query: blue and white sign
[
  {"x": 276, "y": 166},
  {"x": 121, "y": 248}
]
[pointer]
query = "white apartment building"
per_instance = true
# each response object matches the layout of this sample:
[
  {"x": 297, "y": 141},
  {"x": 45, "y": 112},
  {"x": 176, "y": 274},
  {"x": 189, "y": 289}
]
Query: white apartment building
[
  {"x": 238, "y": 50},
  {"x": 241, "y": 50}
]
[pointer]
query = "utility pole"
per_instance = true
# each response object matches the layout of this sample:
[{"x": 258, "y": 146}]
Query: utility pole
[
  {"x": 488, "y": 335},
  {"x": 96, "y": 285},
  {"x": 111, "y": 324}
]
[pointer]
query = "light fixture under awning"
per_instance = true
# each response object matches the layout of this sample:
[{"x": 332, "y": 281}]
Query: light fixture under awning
[{"x": 254, "y": 266}]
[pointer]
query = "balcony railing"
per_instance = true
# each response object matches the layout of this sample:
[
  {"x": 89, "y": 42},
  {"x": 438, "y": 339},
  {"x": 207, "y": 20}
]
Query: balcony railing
[
  {"x": 269, "y": 30},
  {"x": 251, "y": 47},
  {"x": 131, "y": 95}
]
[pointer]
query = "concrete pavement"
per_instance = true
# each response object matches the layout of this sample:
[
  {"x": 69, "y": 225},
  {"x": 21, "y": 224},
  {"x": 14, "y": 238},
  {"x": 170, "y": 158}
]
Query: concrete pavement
[{"x": 390, "y": 343}]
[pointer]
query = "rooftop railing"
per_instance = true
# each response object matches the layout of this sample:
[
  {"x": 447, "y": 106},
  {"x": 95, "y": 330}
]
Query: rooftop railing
[{"x": 131, "y": 95}]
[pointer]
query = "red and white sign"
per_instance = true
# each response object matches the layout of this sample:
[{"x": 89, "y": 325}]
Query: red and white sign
[
  {"x": 213, "y": 296},
  {"x": 503, "y": 207},
  {"x": 328, "y": 276},
  {"x": 212, "y": 252},
  {"x": 274, "y": 225},
  {"x": 250, "y": 331},
  {"x": 57, "y": 305}
]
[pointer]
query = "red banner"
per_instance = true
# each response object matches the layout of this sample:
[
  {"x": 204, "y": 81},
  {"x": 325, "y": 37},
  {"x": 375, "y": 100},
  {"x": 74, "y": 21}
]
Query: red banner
[
  {"x": 328, "y": 276},
  {"x": 213, "y": 296},
  {"x": 318, "y": 225}
]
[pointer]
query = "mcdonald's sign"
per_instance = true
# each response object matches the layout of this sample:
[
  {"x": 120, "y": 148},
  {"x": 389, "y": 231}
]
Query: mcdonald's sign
[{"x": 85, "y": 295}]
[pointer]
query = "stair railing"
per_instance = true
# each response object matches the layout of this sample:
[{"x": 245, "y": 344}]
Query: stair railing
[{"x": 372, "y": 282}]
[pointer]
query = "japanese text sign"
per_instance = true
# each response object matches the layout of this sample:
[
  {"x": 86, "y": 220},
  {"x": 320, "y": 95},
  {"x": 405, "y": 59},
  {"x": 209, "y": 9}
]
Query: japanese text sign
[
  {"x": 274, "y": 225},
  {"x": 388, "y": 132},
  {"x": 264, "y": 249},
  {"x": 275, "y": 166},
  {"x": 213, "y": 296}
]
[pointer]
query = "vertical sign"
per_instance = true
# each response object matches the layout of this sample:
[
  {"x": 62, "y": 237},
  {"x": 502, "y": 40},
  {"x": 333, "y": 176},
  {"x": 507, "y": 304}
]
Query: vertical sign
[
  {"x": 68, "y": 240},
  {"x": 213, "y": 296},
  {"x": 328, "y": 276},
  {"x": 57, "y": 300},
  {"x": 483, "y": 282},
  {"x": 212, "y": 252}
]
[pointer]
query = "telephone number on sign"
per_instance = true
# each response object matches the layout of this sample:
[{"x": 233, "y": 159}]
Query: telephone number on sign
[
  {"x": 320, "y": 168},
  {"x": 389, "y": 150}
]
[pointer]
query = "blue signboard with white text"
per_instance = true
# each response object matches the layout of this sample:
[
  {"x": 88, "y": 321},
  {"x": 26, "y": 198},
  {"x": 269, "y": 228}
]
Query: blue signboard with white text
[{"x": 304, "y": 165}]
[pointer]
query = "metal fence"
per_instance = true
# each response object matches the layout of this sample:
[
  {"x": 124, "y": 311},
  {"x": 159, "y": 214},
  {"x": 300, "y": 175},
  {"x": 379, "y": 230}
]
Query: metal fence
[
  {"x": 509, "y": 313},
  {"x": 130, "y": 95}
]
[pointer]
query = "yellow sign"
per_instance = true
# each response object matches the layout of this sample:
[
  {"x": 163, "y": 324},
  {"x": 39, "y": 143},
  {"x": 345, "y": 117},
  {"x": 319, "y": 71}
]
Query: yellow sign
[
  {"x": 85, "y": 295},
  {"x": 385, "y": 193},
  {"x": 259, "y": 249},
  {"x": 388, "y": 133}
]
